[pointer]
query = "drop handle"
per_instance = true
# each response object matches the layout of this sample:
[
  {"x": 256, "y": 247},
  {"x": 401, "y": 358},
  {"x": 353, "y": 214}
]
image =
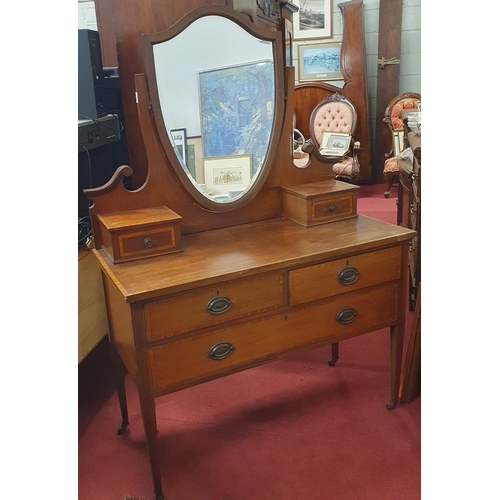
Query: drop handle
[
  {"x": 348, "y": 275},
  {"x": 220, "y": 351},
  {"x": 218, "y": 305},
  {"x": 346, "y": 315}
]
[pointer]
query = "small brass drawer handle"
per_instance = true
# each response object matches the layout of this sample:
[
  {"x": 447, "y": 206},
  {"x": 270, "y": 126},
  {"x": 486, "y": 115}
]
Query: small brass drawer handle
[
  {"x": 220, "y": 351},
  {"x": 218, "y": 305},
  {"x": 348, "y": 275},
  {"x": 346, "y": 316},
  {"x": 148, "y": 242},
  {"x": 332, "y": 209}
]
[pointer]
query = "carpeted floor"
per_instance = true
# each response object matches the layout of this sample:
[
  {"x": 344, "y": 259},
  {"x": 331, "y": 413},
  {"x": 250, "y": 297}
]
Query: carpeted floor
[{"x": 293, "y": 429}]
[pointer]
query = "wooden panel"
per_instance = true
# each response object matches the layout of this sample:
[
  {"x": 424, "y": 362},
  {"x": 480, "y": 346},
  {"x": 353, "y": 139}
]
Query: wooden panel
[
  {"x": 120, "y": 325},
  {"x": 389, "y": 45},
  {"x": 185, "y": 312},
  {"x": 176, "y": 364},
  {"x": 92, "y": 317},
  {"x": 353, "y": 65},
  {"x": 320, "y": 281}
]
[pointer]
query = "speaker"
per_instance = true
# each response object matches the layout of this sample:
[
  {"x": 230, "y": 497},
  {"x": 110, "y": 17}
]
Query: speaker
[{"x": 91, "y": 91}]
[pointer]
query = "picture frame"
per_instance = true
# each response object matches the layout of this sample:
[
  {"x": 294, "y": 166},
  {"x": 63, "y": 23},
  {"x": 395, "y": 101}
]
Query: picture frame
[
  {"x": 179, "y": 140},
  {"x": 319, "y": 61},
  {"x": 313, "y": 19},
  {"x": 193, "y": 157},
  {"x": 335, "y": 143},
  {"x": 231, "y": 104},
  {"x": 227, "y": 173}
]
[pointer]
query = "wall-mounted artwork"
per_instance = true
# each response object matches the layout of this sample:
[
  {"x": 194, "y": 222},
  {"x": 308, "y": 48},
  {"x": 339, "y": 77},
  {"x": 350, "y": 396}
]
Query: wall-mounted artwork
[
  {"x": 313, "y": 19},
  {"x": 237, "y": 110},
  {"x": 319, "y": 62}
]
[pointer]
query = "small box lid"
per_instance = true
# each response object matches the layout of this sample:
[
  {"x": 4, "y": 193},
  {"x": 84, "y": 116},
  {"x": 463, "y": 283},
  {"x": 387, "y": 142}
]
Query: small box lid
[
  {"x": 138, "y": 217},
  {"x": 320, "y": 188}
]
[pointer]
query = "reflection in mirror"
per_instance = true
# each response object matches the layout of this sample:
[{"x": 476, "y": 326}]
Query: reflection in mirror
[{"x": 216, "y": 87}]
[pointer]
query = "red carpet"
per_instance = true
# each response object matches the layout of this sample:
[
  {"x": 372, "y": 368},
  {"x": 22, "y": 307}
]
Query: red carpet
[{"x": 295, "y": 429}]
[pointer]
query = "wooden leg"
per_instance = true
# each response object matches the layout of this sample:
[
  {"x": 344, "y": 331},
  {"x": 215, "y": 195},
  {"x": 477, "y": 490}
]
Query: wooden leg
[
  {"x": 397, "y": 335},
  {"x": 335, "y": 354},
  {"x": 388, "y": 183},
  {"x": 118, "y": 374},
  {"x": 148, "y": 411}
]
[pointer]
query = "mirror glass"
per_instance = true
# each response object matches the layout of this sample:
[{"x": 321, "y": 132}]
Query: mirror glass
[{"x": 216, "y": 87}]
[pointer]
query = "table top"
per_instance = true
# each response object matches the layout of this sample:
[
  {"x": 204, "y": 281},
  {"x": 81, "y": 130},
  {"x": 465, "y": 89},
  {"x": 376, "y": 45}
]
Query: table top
[{"x": 245, "y": 250}]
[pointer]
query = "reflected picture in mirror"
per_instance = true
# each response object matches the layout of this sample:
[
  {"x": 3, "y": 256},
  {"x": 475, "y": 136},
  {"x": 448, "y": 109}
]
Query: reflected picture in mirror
[
  {"x": 221, "y": 91},
  {"x": 236, "y": 106}
]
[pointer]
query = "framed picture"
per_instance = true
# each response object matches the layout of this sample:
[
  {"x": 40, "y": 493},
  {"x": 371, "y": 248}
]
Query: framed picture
[
  {"x": 193, "y": 156},
  {"x": 313, "y": 20},
  {"x": 227, "y": 173},
  {"x": 237, "y": 108},
  {"x": 319, "y": 62},
  {"x": 179, "y": 138},
  {"x": 335, "y": 143}
]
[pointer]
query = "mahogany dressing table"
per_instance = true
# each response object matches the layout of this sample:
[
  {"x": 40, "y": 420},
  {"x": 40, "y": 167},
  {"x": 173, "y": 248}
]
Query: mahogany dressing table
[{"x": 198, "y": 289}]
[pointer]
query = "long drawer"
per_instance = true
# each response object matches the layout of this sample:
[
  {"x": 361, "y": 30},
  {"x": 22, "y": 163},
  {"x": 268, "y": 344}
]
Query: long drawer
[
  {"x": 211, "y": 306},
  {"x": 205, "y": 356},
  {"x": 344, "y": 275}
]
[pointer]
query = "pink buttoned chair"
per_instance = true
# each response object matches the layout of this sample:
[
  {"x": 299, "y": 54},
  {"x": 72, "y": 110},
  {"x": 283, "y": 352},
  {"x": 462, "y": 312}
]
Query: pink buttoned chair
[
  {"x": 392, "y": 117},
  {"x": 335, "y": 113}
]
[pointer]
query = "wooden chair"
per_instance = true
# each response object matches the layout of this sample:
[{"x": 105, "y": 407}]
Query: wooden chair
[{"x": 392, "y": 117}]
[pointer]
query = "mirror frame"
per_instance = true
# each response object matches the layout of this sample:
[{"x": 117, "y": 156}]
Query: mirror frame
[{"x": 151, "y": 39}]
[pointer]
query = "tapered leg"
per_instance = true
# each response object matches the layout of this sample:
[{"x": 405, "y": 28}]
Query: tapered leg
[
  {"x": 118, "y": 373},
  {"x": 148, "y": 411},
  {"x": 396, "y": 356},
  {"x": 335, "y": 354}
]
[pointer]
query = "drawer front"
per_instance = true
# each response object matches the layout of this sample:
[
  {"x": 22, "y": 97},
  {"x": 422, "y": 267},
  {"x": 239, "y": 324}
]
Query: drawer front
[
  {"x": 190, "y": 311},
  {"x": 344, "y": 275},
  {"x": 331, "y": 209},
  {"x": 146, "y": 242},
  {"x": 199, "y": 358}
]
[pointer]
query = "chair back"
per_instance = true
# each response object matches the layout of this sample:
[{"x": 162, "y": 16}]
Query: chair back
[
  {"x": 392, "y": 117},
  {"x": 335, "y": 113}
]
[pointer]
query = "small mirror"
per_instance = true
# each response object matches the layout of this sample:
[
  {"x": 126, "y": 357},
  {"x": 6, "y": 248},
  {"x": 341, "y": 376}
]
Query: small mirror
[{"x": 216, "y": 90}]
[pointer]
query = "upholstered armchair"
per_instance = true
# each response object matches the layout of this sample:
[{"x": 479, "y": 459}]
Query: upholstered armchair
[
  {"x": 332, "y": 127},
  {"x": 392, "y": 117}
]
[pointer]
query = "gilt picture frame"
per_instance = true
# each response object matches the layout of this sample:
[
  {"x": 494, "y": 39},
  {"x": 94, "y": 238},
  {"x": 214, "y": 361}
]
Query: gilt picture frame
[
  {"x": 313, "y": 19},
  {"x": 319, "y": 61}
]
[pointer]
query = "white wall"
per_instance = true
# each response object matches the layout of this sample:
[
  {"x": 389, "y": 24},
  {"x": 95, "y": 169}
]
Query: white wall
[{"x": 86, "y": 15}]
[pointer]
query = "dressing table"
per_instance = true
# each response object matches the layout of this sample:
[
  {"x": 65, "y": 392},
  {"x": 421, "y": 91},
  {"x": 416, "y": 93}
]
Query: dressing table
[{"x": 197, "y": 288}]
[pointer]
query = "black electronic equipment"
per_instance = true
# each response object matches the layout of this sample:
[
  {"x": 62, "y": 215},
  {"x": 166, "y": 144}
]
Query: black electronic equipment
[{"x": 91, "y": 91}]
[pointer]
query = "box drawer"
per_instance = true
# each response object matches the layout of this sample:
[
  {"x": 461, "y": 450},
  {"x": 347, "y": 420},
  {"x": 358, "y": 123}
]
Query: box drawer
[
  {"x": 211, "y": 306},
  {"x": 136, "y": 234},
  {"x": 202, "y": 357},
  {"x": 344, "y": 275},
  {"x": 320, "y": 202}
]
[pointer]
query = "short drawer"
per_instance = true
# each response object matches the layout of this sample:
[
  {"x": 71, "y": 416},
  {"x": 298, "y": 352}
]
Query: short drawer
[
  {"x": 214, "y": 305},
  {"x": 203, "y": 357},
  {"x": 136, "y": 234},
  {"x": 344, "y": 275}
]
